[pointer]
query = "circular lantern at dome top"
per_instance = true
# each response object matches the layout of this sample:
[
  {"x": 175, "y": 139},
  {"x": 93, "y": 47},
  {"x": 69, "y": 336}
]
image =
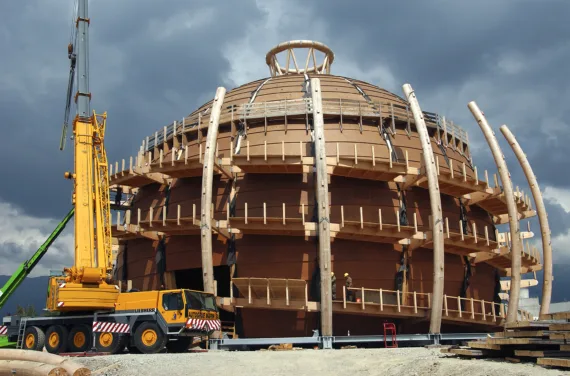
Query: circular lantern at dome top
[{"x": 315, "y": 52}]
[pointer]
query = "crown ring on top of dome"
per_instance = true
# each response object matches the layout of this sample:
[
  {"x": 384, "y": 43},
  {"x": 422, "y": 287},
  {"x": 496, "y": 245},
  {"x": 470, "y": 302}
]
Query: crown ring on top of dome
[{"x": 292, "y": 66}]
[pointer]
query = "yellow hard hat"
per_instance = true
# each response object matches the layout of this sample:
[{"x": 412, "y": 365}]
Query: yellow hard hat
[
  {"x": 332, "y": 273},
  {"x": 346, "y": 274}
]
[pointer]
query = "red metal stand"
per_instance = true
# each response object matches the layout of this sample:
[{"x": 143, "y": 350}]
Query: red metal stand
[{"x": 390, "y": 329}]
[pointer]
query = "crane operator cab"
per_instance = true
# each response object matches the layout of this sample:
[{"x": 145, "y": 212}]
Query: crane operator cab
[{"x": 195, "y": 310}]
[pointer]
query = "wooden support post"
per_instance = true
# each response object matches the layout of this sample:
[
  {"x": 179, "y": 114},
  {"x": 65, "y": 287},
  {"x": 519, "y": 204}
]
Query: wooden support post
[
  {"x": 415, "y": 303},
  {"x": 436, "y": 212},
  {"x": 381, "y": 301},
  {"x": 512, "y": 211},
  {"x": 445, "y": 305},
  {"x": 207, "y": 182},
  {"x": 476, "y": 176},
  {"x": 542, "y": 218},
  {"x": 323, "y": 209},
  {"x": 138, "y": 219},
  {"x": 398, "y": 300},
  {"x": 355, "y": 155},
  {"x": 249, "y": 290}
]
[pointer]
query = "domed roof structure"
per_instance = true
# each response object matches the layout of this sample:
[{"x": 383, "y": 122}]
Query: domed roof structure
[{"x": 264, "y": 191}]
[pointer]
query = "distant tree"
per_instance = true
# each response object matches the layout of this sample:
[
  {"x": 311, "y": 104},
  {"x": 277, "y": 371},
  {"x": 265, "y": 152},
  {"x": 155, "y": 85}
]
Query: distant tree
[{"x": 29, "y": 311}]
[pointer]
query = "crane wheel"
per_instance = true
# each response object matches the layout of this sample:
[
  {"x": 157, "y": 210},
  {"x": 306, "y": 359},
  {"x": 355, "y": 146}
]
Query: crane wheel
[
  {"x": 181, "y": 344},
  {"x": 113, "y": 343},
  {"x": 56, "y": 339},
  {"x": 79, "y": 339},
  {"x": 34, "y": 339},
  {"x": 149, "y": 338}
]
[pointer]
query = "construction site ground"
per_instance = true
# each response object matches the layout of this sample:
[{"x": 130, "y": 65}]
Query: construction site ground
[{"x": 400, "y": 361}]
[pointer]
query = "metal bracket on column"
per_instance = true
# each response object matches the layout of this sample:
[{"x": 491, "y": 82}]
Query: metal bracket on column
[{"x": 326, "y": 343}]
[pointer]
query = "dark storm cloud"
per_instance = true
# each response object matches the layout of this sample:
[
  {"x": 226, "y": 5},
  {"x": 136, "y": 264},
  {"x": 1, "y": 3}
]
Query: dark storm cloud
[
  {"x": 153, "y": 62},
  {"x": 150, "y": 62}
]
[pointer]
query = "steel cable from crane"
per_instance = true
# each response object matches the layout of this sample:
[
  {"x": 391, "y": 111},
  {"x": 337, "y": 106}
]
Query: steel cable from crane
[{"x": 70, "y": 84}]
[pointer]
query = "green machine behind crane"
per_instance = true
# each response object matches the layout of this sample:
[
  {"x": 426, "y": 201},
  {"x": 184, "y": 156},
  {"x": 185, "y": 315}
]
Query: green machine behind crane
[{"x": 27, "y": 266}]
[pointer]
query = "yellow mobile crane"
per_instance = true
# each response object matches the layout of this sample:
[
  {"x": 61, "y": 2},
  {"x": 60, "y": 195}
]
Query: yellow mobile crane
[{"x": 86, "y": 305}]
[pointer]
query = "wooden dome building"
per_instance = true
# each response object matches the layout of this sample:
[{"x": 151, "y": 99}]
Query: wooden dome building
[{"x": 263, "y": 192}]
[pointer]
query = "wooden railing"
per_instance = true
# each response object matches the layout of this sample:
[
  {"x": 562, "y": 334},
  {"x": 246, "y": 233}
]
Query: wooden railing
[
  {"x": 387, "y": 298},
  {"x": 293, "y": 294},
  {"x": 472, "y": 308},
  {"x": 294, "y": 107},
  {"x": 159, "y": 216}
]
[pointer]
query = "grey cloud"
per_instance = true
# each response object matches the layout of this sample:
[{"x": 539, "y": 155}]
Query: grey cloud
[{"x": 141, "y": 81}]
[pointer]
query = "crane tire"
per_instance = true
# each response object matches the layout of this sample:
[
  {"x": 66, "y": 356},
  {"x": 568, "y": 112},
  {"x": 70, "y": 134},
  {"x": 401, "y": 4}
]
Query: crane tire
[
  {"x": 113, "y": 343},
  {"x": 34, "y": 339},
  {"x": 149, "y": 338},
  {"x": 79, "y": 339},
  {"x": 56, "y": 339}
]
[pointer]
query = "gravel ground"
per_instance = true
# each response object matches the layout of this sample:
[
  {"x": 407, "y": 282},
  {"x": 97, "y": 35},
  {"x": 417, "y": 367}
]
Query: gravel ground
[{"x": 402, "y": 361}]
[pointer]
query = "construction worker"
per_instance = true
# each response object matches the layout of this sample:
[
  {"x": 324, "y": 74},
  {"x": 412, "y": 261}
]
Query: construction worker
[
  {"x": 333, "y": 285},
  {"x": 348, "y": 284},
  {"x": 118, "y": 195}
]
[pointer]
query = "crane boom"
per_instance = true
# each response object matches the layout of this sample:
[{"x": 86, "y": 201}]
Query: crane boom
[{"x": 87, "y": 284}]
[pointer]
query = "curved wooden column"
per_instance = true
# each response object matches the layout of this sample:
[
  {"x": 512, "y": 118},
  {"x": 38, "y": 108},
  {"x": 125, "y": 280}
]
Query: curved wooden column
[
  {"x": 207, "y": 181},
  {"x": 542, "y": 217},
  {"x": 436, "y": 212},
  {"x": 516, "y": 243},
  {"x": 322, "y": 188}
]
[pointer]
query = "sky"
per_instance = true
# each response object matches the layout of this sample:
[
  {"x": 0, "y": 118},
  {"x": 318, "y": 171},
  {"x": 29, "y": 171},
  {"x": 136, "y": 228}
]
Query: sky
[{"x": 151, "y": 64}]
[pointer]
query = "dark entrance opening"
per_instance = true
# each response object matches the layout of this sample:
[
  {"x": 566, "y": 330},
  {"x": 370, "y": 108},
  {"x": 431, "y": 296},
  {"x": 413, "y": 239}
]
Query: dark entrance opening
[{"x": 192, "y": 279}]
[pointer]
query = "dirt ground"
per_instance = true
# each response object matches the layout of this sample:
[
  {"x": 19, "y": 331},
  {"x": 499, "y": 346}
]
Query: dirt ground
[{"x": 401, "y": 362}]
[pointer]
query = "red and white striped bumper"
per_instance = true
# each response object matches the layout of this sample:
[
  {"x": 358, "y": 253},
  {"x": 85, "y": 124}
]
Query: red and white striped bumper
[
  {"x": 3, "y": 330},
  {"x": 205, "y": 325},
  {"x": 110, "y": 327}
]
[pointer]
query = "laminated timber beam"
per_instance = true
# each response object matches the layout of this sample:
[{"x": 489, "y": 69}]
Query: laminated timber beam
[
  {"x": 516, "y": 243},
  {"x": 207, "y": 183},
  {"x": 436, "y": 211},
  {"x": 323, "y": 209},
  {"x": 542, "y": 218}
]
